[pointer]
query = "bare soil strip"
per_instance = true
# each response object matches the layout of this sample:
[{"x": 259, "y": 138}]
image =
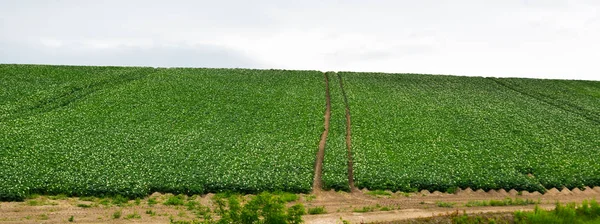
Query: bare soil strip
[
  {"x": 317, "y": 181},
  {"x": 355, "y": 207}
]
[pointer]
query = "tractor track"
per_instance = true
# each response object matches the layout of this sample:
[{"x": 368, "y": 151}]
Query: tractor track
[{"x": 318, "y": 181}]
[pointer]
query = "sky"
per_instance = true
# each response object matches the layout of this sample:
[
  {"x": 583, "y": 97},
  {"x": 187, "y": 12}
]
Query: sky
[{"x": 501, "y": 38}]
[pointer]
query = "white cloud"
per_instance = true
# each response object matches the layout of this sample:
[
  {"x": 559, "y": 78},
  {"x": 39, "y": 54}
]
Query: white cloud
[{"x": 515, "y": 38}]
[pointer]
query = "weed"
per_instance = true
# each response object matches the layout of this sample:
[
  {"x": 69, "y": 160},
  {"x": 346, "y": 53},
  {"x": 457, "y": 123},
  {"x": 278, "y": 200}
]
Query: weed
[
  {"x": 191, "y": 205},
  {"x": 152, "y": 201},
  {"x": 87, "y": 198},
  {"x": 150, "y": 212},
  {"x": 175, "y": 200},
  {"x": 364, "y": 209},
  {"x": 44, "y": 217},
  {"x": 117, "y": 214},
  {"x": 58, "y": 197},
  {"x": 310, "y": 197},
  {"x": 84, "y": 205},
  {"x": 71, "y": 219},
  {"x": 119, "y": 200},
  {"x": 135, "y": 215},
  {"x": 379, "y": 193},
  {"x": 445, "y": 204},
  {"x": 317, "y": 210}
]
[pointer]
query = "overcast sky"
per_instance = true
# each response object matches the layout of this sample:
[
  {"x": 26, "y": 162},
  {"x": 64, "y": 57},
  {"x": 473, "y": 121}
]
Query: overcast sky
[{"x": 505, "y": 38}]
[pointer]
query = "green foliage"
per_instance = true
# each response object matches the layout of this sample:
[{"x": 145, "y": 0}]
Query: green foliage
[
  {"x": 364, "y": 209},
  {"x": 117, "y": 214},
  {"x": 150, "y": 212},
  {"x": 439, "y": 132},
  {"x": 152, "y": 201},
  {"x": 445, "y": 204},
  {"x": 505, "y": 202},
  {"x": 99, "y": 131},
  {"x": 587, "y": 212},
  {"x": 84, "y": 206},
  {"x": 71, "y": 219},
  {"x": 379, "y": 193},
  {"x": 175, "y": 200},
  {"x": 335, "y": 163},
  {"x": 263, "y": 208},
  {"x": 134, "y": 215},
  {"x": 317, "y": 210}
]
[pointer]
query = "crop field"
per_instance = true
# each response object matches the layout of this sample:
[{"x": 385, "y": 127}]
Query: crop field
[
  {"x": 412, "y": 132},
  {"x": 133, "y": 131}
]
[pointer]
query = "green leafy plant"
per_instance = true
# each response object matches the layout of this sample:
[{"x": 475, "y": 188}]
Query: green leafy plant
[{"x": 317, "y": 210}]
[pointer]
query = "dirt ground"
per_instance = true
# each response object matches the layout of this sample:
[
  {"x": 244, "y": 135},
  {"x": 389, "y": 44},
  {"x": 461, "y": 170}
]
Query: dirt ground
[{"x": 355, "y": 207}]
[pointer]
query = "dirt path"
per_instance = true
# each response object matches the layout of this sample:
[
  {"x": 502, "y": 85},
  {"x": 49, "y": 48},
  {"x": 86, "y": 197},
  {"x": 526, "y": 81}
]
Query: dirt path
[
  {"x": 402, "y": 206},
  {"x": 317, "y": 181},
  {"x": 348, "y": 136},
  {"x": 356, "y": 207}
]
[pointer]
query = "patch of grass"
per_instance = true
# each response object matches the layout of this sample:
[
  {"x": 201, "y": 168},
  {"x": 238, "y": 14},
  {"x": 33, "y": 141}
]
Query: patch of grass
[
  {"x": 58, "y": 197},
  {"x": 587, "y": 212},
  {"x": 39, "y": 202},
  {"x": 84, "y": 205},
  {"x": 152, "y": 201},
  {"x": 104, "y": 201},
  {"x": 138, "y": 201},
  {"x": 379, "y": 193},
  {"x": 364, "y": 209},
  {"x": 87, "y": 198},
  {"x": 191, "y": 205},
  {"x": 317, "y": 210},
  {"x": 116, "y": 215},
  {"x": 119, "y": 200},
  {"x": 286, "y": 196},
  {"x": 310, "y": 197},
  {"x": 134, "y": 215},
  {"x": 445, "y": 204},
  {"x": 44, "y": 217},
  {"x": 150, "y": 212},
  {"x": 505, "y": 202},
  {"x": 71, "y": 219},
  {"x": 175, "y": 200}
]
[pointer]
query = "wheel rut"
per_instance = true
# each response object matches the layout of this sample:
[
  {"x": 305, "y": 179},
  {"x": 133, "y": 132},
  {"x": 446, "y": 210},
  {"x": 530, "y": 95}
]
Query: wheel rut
[{"x": 317, "y": 181}]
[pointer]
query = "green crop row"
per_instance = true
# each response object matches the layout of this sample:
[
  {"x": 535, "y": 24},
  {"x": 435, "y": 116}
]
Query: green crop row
[
  {"x": 335, "y": 171},
  {"x": 413, "y": 132},
  {"x": 133, "y": 131}
]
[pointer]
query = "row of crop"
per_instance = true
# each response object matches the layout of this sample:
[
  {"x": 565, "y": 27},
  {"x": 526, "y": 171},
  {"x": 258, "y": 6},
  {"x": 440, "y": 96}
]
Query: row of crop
[
  {"x": 413, "y": 132},
  {"x": 576, "y": 96},
  {"x": 175, "y": 130},
  {"x": 335, "y": 172}
]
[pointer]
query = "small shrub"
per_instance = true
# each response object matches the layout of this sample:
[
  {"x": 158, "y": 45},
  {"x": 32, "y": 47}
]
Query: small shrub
[{"x": 71, "y": 219}]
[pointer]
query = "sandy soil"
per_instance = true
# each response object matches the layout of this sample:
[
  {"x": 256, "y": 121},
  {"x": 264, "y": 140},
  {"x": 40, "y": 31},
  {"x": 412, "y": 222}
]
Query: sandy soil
[{"x": 339, "y": 206}]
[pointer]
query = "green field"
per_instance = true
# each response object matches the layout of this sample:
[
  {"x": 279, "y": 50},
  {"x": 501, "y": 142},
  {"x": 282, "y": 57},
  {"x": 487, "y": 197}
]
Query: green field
[
  {"x": 412, "y": 132},
  {"x": 84, "y": 130},
  {"x": 133, "y": 131}
]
